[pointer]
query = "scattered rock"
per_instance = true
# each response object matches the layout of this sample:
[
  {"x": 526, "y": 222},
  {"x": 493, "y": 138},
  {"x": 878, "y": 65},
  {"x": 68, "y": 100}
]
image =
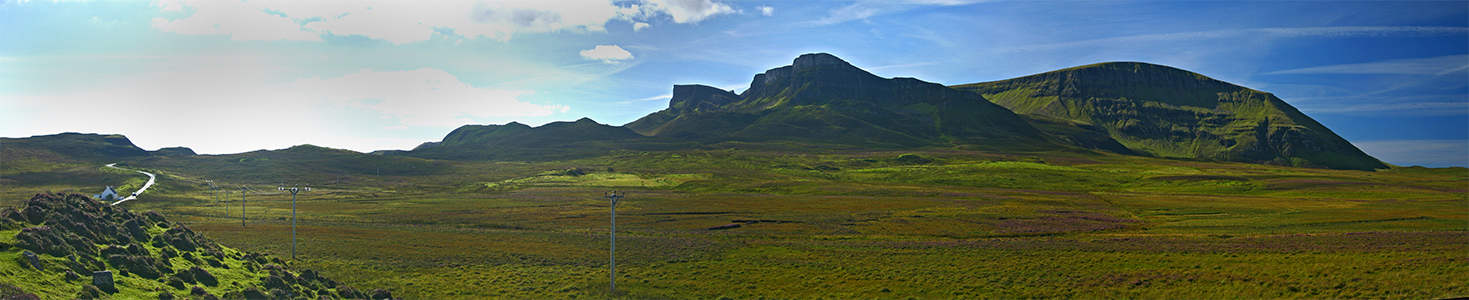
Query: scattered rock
[
  {"x": 381, "y": 294},
  {"x": 200, "y": 293},
  {"x": 33, "y": 259},
  {"x": 176, "y": 282},
  {"x": 11, "y": 292},
  {"x": 103, "y": 280}
]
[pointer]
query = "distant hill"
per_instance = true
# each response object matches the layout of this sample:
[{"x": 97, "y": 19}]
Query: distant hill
[
  {"x": 55, "y": 243},
  {"x": 1163, "y": 111},
  {"x": 822, "y": 99},
  {"x": 71, "y": 147},
  {"x": 555, "y": 140}
]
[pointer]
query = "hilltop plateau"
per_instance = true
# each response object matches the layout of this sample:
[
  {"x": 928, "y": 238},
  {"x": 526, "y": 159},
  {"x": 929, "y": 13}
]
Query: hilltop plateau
[{"x": 1167, "y": 112}]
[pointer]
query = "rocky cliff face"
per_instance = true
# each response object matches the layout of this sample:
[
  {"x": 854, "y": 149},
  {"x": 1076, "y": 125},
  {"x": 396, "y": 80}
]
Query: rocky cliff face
[
  {"x": 1164, "y": 111},
  {"x": 697, "y": 97},
  {"x": 822, "y": 99}
]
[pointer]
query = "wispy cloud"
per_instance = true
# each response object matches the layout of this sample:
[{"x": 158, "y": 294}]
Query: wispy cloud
[
  {"x": 1405, "y": 87},
  {"x": 1338, "y": 31},
  {"x": 658, "y": 97},
  {"x": 1413, "y": 108},
  {"x": 900, "y": 66},
  {"x": 862, "y": 10},
  {"x": 403, "y": 22},
  {"x": 1430, "y": 153},
  {"x": 1417, "y": 66}
]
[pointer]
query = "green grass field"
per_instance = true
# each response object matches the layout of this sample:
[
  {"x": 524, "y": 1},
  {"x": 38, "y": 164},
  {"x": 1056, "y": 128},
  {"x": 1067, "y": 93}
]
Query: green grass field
[{"x": 830, "y": 224}]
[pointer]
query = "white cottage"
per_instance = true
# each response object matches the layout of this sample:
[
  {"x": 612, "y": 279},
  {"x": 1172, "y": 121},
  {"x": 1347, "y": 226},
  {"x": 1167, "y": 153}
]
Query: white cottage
[{"x": 108, "y": 194}]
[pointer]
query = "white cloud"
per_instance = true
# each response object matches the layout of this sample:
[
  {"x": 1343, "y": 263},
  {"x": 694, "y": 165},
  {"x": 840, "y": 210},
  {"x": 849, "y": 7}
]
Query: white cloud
[
  {"x": 639, "y": 26},
  {"x": 689, "y": 11},
  {"x": 1416, "y": 66},
  {"x": 606, "y": 53},
  {"x": 422, "y": 97},
  {"x": 766, "y": 10}
]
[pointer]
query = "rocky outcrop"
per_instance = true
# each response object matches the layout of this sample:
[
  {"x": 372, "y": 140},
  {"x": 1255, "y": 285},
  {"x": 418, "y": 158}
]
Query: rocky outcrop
[
  {"x": 181, "y": 151},
  {"x": 697, "y": 97},
  {"x": 72, "y": 234}
]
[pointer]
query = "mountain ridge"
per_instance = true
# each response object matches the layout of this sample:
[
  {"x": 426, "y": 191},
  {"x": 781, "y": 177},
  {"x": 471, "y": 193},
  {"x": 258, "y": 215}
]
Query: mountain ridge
[{"x": 821, "y": 98}]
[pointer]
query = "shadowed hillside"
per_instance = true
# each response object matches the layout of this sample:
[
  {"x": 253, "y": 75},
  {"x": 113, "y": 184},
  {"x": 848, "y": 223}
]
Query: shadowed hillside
[
  {"x": 1168, "y": 112},
  {"x": 556, "y": 140}
]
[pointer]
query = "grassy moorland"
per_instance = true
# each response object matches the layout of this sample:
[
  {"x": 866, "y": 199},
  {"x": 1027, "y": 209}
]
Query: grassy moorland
[{"x": 830, "y": 224}]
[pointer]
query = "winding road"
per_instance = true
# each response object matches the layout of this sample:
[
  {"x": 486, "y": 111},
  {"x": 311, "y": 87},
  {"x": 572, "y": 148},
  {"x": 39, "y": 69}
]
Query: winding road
[{"x": 151, "y": 179}]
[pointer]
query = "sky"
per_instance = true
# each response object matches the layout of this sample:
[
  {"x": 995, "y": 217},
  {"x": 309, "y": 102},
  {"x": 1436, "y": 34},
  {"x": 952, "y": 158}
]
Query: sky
[{"x": 224, "y": 77}]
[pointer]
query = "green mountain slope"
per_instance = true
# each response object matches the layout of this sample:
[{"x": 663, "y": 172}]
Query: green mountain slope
[
  {"x": 1168, "y": 112},
  {"x": 822, "y": 99},
  {"x": 147, "y": 257}
]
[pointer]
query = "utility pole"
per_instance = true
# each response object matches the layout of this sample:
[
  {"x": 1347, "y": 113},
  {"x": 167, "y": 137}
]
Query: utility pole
[
  {"x": 242, "y": 206},
  {"x": 293, "y": 191},
  {"x": 216, "y": 191},
  {"x": 226, "y": 204},
  {"x": 614, "y": 196}
]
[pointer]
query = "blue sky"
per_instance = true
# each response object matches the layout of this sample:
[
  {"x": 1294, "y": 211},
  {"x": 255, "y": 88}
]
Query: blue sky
[{"x": 234, "y": 76}]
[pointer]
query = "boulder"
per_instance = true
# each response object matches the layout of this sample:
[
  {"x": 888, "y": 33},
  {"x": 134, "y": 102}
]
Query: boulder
[
  {"x": 33, "y": 259},
  {"x": 103, "y": 280}
]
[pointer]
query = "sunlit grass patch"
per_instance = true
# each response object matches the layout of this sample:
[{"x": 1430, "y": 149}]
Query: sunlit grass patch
[{"x": 625, "y": 180}]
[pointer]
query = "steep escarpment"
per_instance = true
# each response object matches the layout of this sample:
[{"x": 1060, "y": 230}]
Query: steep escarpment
[
  {"x": 822, "y": 99},
  {"x": 69, "y": 246},
  {"x": 1163, "y": 111}
]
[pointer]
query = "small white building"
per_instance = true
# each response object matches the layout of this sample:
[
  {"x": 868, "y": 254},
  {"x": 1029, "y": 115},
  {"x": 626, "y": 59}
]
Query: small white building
[{"x": 108, "y": 194}]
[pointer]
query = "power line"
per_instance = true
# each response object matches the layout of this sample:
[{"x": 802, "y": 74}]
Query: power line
[
  {"x": 293, "y": 191},
  {"x": 243, "y": 189}
]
